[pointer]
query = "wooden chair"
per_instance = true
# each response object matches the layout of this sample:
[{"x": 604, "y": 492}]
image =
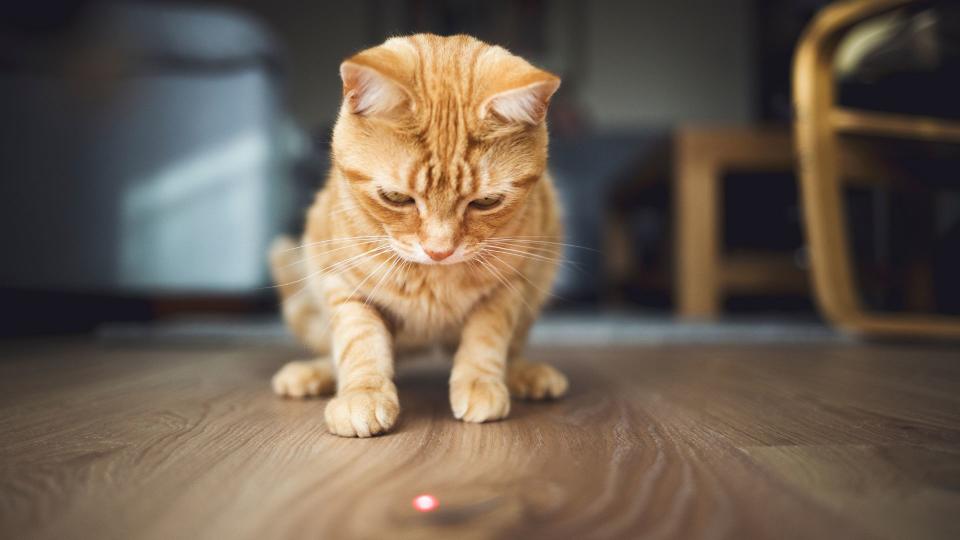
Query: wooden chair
[
  {"x": 820, "y": 123},
  {"x": 704, "y": 273}
]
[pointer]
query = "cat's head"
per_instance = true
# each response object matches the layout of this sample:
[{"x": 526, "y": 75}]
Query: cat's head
[{"x": 440, "y": 140}]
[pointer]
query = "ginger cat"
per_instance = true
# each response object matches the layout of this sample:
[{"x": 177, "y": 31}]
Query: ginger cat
[{"x": 438, "y": 225}]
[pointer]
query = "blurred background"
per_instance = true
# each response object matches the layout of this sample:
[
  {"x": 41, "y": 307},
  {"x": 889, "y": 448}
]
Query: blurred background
[{"x": 149, "y": 152}]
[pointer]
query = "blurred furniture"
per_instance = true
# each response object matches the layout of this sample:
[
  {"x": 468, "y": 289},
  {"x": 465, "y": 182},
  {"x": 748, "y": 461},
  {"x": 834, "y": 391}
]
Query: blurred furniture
[
  {"x": 148, "y": 154},
  {"x": 702, "y": 155},
  {"x": 820, "y": 128},
  {"x": 602, "y": 157},
  {"x": 637, "y": 248}
]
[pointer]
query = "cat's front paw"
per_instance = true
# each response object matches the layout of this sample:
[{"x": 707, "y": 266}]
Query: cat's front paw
[
  {"x": 362, "y": 413},
  {"x": 535, "y": 380},
  {"x": 479, "y": 399},
  {"x": 304, "y": 379}
]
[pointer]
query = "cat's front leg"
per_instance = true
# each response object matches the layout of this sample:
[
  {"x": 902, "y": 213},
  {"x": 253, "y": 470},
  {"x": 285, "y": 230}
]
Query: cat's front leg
[
  {"x": 366, "y": 402},
  {"x": 478, "y": 390}
]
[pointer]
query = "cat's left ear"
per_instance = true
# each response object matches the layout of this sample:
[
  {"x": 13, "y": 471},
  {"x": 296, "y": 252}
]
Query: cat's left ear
[{"x": 525, "y": 101}]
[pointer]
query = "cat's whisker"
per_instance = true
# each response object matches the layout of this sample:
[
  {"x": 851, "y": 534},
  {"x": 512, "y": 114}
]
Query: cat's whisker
[
  {"x": 354, "y": 261},
  {"x": 338, "y": 239},
  {"x": 516, "y": 290},
  {"x": 546, "y": 251},
  {"x": 535, "y": 240},
  {"x": 323, "y": 271},
  {"x": 506, "y": 283},
  {"x": 557, "y": 249},
  {"x": 552, "y": 250},
  {"x": 336, "y": 311},
  {"x": 396, "y": 260},
  {"x": 528, "y": 256},
  {"x": 492, "y": 271},
  {"x": 532, "y": 256},
  {"x": 332, "y": 240},
  {"x": 525, "y": 278},
  {"x": 553, "y": 247},
  {"x": 341, "y": 248},
  {"x": 341, "y": 266}
]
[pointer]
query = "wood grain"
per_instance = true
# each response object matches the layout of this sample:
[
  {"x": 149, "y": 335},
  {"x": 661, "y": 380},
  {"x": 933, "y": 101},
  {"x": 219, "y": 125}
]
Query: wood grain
[{"x": 840, "y": 441}]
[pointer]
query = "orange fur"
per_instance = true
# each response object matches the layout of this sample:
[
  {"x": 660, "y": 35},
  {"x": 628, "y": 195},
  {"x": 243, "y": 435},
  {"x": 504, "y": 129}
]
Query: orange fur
[{"x": 439, "y": 152}]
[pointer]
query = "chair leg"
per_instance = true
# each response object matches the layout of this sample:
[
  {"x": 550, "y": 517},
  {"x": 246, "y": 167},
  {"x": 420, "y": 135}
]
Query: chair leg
[{"x": 697, "y": 215}]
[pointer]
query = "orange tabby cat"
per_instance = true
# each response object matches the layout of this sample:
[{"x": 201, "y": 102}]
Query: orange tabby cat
[{"x": 438, "y": 225}]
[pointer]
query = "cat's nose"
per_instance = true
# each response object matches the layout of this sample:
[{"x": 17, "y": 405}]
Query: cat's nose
[{"x": 439, "y": 255}]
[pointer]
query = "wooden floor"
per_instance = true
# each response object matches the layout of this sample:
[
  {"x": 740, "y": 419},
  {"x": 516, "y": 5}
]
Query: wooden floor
[{"x": 808, "y": 441}]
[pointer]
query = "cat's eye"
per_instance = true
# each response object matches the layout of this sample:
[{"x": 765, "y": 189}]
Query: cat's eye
[
  {"x": 396, "y": 198},
  {"x": 486, "y": 203}
]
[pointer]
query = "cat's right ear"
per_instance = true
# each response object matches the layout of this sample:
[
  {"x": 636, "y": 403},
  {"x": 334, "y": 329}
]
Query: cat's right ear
[{"x": 368, "y": 91}]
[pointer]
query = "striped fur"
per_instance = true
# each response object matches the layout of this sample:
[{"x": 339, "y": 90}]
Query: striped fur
[{"x": 445, "y": 123}]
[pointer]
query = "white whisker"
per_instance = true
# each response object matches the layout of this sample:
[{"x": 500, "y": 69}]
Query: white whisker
[
  {"x": 535, "y": 240},
  {"x": 341, "y": 248},
  {"x": 396, "y": 260},
  {"x": 531, "y": 256},
  {"x": 354, "y": 292},
  {"x": 544, "y": 251},
  {"x": 506, "y": 283},
  {"x": 521, "y": 274},
  {"x": 331, "y": 240},
  {"x": 341, "y": 266},
  {"x": 527, "y": 254},
  {"x": 311, "y": 275}
]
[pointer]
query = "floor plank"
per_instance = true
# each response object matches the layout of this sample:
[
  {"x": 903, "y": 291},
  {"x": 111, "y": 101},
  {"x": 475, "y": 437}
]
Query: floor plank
[{"x": 672, "y": 441}]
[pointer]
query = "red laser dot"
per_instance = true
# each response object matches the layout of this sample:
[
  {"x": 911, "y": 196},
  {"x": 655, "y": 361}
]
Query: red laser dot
[{"x": 425, "y": 503}]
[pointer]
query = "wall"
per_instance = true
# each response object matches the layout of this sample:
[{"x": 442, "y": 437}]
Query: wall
[
  {"x": 651, "y": 62},
  {"x": 314, "y": 37},
  {"x": 662, "y": 62}
]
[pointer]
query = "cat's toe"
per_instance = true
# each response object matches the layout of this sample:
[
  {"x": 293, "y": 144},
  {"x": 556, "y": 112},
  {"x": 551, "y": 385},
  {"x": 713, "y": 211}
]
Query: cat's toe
[
  {"x": 304, "y": 379},
  {"x": 479, "y": 400},
  {"x": 362, "y": 413},
  {"x": 536, "y": 380}
]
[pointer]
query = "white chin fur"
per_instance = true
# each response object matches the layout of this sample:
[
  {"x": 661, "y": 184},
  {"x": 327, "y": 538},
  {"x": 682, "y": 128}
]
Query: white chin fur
[{"x": 421, "y": 257}]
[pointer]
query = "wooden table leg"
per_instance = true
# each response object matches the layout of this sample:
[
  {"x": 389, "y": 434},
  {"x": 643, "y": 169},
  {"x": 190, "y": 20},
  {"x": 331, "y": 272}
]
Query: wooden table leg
[{"x": 698, "y": 231}]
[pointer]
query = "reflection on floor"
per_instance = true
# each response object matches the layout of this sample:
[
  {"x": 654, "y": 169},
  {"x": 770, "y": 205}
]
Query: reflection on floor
[{"x": 165, "y": 439}]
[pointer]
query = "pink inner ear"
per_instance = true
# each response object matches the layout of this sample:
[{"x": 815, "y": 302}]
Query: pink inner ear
[
  {"x": 527, "y": 105},
  {"x": 367, "y": 92}
]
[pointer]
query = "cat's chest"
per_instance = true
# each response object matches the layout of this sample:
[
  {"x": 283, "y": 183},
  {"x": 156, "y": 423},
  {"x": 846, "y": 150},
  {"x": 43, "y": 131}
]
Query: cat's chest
[{"x": 430, "y": 304}]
